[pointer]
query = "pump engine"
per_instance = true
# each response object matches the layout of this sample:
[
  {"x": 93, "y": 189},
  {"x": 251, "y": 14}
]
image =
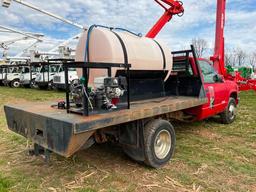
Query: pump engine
[{"x": 106, "y": 94}]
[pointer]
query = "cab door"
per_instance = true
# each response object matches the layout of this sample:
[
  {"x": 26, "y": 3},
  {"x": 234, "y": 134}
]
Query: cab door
[{"x": 216, "y": 90}]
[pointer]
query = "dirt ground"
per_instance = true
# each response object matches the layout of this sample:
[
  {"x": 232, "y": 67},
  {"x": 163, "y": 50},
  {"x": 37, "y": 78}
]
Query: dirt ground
[{"x": 208, "y": 157}]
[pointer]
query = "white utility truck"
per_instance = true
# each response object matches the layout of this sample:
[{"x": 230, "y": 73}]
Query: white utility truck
[
  {"x": 27, "y": 77},
  {"x": 59, "y": 78},
  {"x": 12, "y": 77},
  {"x": 44, "y": 78}
]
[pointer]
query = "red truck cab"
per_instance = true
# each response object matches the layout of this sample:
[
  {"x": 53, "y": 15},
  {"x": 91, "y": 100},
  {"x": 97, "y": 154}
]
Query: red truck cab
[{"x": 222, "y": 95}]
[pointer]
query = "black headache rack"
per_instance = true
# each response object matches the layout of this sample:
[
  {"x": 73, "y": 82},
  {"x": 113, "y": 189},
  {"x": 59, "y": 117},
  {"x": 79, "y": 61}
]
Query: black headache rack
[
  {"x": 186, "y": 78},
  {"x": 85, "y": 67}
]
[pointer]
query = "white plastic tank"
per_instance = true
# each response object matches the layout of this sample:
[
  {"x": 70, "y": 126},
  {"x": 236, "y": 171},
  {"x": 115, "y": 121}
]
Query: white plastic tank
[{"x": 104, "y": 46}]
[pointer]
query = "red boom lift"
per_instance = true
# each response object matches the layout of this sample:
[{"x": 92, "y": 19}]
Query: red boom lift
[
  {"x": 219, "y": 52},
  {"x": 176, "y": 8}
]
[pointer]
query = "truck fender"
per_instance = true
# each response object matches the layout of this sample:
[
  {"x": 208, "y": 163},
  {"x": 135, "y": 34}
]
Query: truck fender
[{"x": 234, "y": 95}]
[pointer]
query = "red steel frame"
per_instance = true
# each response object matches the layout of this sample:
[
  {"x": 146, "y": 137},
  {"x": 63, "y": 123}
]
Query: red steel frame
[
  {"x": 176, "y": 8},
  {"x": 219, "y": 51}
]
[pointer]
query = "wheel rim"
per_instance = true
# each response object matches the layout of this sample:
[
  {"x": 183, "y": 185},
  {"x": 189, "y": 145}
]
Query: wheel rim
[
  {"x": 232, "y": 111},
  {"x": 50, "y": 85},
  {"x": 33, "y": 84},
  {"x": 162, "y": 144},
  {"x": 16, "y": 84}
]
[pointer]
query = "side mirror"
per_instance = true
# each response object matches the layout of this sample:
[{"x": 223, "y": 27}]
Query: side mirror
[{"x": 218, "y": 78}]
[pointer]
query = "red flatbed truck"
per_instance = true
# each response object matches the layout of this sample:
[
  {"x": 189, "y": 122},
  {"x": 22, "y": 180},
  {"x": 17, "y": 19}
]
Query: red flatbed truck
[{"x": 144, "y": 129}]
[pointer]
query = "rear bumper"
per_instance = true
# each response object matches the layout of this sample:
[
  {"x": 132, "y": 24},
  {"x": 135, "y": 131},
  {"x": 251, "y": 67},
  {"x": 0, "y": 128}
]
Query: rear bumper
[{"x": 52, "y": 134}]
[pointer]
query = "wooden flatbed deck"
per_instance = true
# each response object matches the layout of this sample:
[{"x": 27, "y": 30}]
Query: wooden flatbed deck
[{"x": 80, "y": 124}]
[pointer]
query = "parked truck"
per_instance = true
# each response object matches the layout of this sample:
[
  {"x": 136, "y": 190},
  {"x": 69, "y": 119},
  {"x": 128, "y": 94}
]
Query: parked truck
[
  {"x": 130, "y": 89},
  {"x": 44, "y": 78},
  {"x": 59, "y": 78},
  {"x": 28, "y": 76},
  {"x": 12, "y": 77}
]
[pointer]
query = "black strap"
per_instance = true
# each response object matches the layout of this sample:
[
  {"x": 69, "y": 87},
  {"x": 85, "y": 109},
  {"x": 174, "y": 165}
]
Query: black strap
[
  {"x": 123, "y": 47},
  {"x": 164, "y": 58}
]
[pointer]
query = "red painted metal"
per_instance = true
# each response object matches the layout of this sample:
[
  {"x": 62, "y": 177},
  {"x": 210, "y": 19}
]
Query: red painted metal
[
  {"x": 219, "y": 51},
  {"x": 243, "y": 83},
  {"x": 218, "y": 93},
  {"x": 176, "y": 8}
]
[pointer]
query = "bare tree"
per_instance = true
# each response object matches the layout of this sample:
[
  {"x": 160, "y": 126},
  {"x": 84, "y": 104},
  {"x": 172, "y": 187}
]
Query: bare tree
[
  {"x": 240, "y": 56},
  {"x": 200, "y": 46},
  {"x": 252, "y": 59},
  {"x": 229, "y": 58}
]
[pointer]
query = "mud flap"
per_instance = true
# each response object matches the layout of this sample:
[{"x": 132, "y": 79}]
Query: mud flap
[{"x": 131, "y": 138}]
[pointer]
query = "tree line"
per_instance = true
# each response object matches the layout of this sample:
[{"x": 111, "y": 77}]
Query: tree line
[{"x": 233, "y": 57}]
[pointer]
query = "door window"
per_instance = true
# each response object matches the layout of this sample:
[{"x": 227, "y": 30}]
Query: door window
[
  {"x": 54, "y": 68},
  {"x": 207, "y": 71},
  {"x": 25, "y": 70},
  {"x": 60, "y": 69}
]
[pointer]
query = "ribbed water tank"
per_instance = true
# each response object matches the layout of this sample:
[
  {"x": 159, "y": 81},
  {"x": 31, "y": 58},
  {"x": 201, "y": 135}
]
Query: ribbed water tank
[{"x": 109, "y": 46}]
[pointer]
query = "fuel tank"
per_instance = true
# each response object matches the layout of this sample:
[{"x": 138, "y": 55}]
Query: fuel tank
[{"x": 111, "y": 46}]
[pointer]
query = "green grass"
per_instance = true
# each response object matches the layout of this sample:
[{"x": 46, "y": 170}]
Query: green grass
[
  {"x": 30, "y": 94},
  {"x": 5, "y": 184},
  {"x": 209, "y": 156}
]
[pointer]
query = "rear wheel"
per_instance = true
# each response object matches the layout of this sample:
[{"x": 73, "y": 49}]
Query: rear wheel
[
  {"x": 159, "y": 143},
  {"x": 229, "y": 115},
  {"x": 15, "y": 83}
]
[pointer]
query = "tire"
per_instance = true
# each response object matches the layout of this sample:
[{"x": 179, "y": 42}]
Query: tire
[
  {"x": 15, "y": 83},
  {"x": 43, "y": 87},
  {"x": 229, "y": 115},
  {"x": 158, "y": 156},
  {"x": 33, "y": 84},
  {"x": 52, "y": 86}
]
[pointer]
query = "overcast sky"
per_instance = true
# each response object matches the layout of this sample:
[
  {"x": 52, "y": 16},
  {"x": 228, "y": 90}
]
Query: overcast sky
[{"x": 136, "y": 15}]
